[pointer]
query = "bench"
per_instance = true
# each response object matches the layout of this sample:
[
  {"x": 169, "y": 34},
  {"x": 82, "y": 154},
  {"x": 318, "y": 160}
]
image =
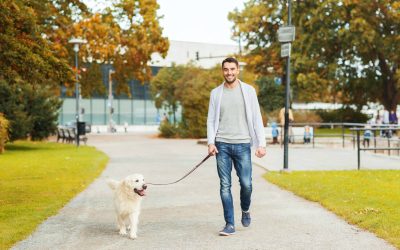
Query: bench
[
  {"x": 295, "y": 134},
  {"x": 67, "y": 134}
]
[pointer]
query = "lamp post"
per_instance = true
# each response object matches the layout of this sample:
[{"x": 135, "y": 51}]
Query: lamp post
[
  {"x": 76, "y": 42},
  {"x": 110, "y": 101},
  {"x": 286, "y": 36}
]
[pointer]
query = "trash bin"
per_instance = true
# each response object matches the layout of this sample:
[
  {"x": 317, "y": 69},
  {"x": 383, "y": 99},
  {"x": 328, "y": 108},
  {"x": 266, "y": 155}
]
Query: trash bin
[{"x": 81, "y": 128}]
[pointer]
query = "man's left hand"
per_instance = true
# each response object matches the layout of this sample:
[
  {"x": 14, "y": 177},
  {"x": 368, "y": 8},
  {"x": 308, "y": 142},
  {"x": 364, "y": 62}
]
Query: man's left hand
[{"x": 260, "y": 152}]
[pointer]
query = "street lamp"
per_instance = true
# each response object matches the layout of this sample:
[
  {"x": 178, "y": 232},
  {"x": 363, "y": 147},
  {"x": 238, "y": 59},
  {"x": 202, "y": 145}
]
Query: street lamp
[
  {"x": 110, "y": 101},
  {"x": 286, "y": 36},
  {"x": 76, "y": 42}
]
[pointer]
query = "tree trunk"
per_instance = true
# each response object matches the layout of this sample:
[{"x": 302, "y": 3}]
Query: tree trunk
[{"x": 390, "y": 94}]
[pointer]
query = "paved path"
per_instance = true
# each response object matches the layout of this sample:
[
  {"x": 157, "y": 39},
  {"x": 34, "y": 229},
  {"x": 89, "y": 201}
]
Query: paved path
[
  {"x": 188, "y": 215},
  {"x": 324, "y": 158}
]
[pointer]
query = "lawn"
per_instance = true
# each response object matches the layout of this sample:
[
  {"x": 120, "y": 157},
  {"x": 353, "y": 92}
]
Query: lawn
[
  {"x": 368, "y": 199},
  {"x": 39, "y": 178},
  {"x": 336, "y": 131}
]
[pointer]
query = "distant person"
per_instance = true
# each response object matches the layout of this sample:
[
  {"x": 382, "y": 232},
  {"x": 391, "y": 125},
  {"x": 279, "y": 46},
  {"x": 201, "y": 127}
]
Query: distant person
[
  {"x": 393, "y": 120},
  {"x": 367, "y": 136},
  {"x": 275, "y": 133},
  {"x": 165, "y": 118},
  {"x": 126, "y": 127},
  {"x": 379, "y": 122},
  {"x": 234, "y": 124},
  {"x": 282, "y": 123},
  {"x": 307, "y": 134},
  {"x": 385, "y": 117},
  {"x": 393, "y": 117}
]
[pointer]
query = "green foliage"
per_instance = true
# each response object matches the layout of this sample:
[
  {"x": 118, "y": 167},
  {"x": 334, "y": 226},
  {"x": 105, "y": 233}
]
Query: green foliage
[
  {"x": 37, "y": 180},
  {"x": 3, "y": 132},
  {"x": 194, "y": 93},
  {"x": 31, "y": 111},
  {"x": 168, "y": 130},
  {"x": 91, "y": 81},
  {"x": 270, "y": 95},
  {"x": 190, "y": 87},
  {"x": 164, "y": 85},
  {"x": 25, "y": 56},
  {"x": 343, "y": 115},
  {"x": 344, "y": 51}
]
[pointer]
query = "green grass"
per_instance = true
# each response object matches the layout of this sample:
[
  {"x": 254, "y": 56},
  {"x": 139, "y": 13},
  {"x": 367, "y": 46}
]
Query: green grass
[
  {"x": 368, "y": 199},
  {"x": 327, "y": 131},
  {"x": 39, "y": 178}
]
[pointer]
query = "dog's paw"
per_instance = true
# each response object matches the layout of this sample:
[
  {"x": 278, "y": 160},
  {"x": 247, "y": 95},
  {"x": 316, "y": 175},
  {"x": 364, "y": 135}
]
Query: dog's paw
[
  {"x": 122, "y": 232},
  {"x": 132, "y": 236}
]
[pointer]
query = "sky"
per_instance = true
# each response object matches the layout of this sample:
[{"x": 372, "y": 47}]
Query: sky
[
  {"x": 198, "y": 20},
  {"x": 192, "y": 20}
]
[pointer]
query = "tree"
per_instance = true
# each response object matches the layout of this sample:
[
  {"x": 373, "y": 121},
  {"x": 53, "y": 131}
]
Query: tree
[
  {"x": 194, "y": 94},
  {"x": 25, "y": 56},
  {"x": 342, "y": 48},
  {"x": 164, "y": 85},
  {"x": 91, "y": 80},
  {"x": 271, "y": 95},
  {"x": 31, "y": 111},
  {"x": 125, "y": 35}
]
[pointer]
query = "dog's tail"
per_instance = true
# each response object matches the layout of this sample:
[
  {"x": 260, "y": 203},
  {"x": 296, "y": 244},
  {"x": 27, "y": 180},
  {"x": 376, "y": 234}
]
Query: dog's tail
[{"x": 112, "y": 184}]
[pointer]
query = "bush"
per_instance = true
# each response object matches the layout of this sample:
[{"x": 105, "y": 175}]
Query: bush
[
  {"x": 305, "y": 116},
  {"x": 343, "y": 115},
  {"x": 31, "y": 111},
  {"x": 168, "y": 130},
  {"x": 3, "y": 132}
]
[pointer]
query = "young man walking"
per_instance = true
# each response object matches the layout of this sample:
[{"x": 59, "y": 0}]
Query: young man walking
[{"x": 234, "y": 124}]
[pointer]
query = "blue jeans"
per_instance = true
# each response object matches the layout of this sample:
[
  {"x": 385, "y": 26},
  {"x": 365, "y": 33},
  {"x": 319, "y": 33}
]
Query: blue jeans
[{"x": 240, "y": 156}]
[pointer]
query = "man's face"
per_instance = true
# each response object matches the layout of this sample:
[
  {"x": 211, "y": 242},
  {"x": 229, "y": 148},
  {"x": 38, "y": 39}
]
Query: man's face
[{"x": 230, "y": 71}]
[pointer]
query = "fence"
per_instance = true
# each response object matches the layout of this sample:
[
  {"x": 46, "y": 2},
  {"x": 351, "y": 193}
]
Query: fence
[{"x": 388, "y": 148}]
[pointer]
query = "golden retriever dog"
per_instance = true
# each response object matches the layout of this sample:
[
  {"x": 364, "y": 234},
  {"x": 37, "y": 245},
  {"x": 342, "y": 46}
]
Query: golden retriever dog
[{"x": 128, "y": 195}]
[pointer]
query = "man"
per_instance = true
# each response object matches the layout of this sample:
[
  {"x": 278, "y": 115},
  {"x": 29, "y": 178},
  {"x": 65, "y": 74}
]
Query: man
[
  {"x": 282, "y": 122},
  {"x": 234, "y": 124}
]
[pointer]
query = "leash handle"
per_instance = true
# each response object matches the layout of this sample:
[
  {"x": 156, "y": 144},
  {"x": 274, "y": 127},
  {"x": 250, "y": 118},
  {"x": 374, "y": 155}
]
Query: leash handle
[{"x": 186, "y": 175}]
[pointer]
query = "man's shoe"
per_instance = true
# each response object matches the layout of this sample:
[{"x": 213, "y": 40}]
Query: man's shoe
[
  {"x": 246, "y": 219},
  {"x": 228, "y": 230}
]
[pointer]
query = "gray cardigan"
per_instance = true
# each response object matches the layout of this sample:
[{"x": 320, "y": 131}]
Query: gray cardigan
[{"x": 253, "y": 114}]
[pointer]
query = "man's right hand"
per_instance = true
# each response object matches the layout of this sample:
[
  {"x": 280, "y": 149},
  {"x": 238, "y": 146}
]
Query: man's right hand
[{"x": 212, "y": 149}]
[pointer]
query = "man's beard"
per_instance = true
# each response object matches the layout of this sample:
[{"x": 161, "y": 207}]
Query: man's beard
[{"x": 230, "y": 82}]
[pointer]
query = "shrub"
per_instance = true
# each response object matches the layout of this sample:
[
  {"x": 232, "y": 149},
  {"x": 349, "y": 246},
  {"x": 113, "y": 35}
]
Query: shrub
[
  {"x": 31, "y": 111},
  {"x": 3, "y": 132},
  {"x": 343, "y": 115},
  {"x": 168, "y": 130},
  {"x": 305, "y": 116}
]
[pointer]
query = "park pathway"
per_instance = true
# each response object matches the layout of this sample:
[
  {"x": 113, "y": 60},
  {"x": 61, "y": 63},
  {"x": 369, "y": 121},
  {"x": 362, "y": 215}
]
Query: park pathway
[{"x": 188, "y": 215}]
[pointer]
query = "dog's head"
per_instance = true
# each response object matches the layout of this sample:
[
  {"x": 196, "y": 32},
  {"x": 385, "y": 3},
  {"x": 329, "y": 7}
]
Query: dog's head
[{"x": 136, "y": 184}]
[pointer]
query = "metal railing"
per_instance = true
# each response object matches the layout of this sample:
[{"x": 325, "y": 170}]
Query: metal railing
[
  {"x": 343, "y": 135},
  {"x": 388, "y": 148}
]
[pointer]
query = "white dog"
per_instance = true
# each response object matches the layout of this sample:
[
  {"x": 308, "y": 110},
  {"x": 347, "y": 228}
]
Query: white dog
[{"x": 128, "y": 195}]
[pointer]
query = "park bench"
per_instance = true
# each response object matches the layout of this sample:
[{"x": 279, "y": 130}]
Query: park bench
[
  {"x": 297, "y": 136},
  {"x": 61, "y": 134},
  {"x": 73, "y": 136}
]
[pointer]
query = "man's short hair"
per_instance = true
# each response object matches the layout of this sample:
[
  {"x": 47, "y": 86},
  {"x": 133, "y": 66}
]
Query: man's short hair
[{"x": 230, "y": 60}]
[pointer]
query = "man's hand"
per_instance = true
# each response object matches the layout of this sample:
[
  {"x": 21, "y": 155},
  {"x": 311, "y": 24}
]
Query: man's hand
[
  {"x": 260, "y": 152},
  {"x": 212, "y": 149}
]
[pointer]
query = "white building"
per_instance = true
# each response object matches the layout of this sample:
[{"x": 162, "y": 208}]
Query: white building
[{"x": 185, "y": 52}]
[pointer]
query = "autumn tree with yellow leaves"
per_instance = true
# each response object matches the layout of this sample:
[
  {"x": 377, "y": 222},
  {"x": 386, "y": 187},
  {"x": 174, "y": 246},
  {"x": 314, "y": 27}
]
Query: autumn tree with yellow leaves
[{"x": 345, "y": 51}]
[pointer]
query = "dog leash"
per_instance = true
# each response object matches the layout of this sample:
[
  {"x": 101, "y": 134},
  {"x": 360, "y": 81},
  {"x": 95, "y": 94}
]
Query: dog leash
[{"x": 186, "y": 175}]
